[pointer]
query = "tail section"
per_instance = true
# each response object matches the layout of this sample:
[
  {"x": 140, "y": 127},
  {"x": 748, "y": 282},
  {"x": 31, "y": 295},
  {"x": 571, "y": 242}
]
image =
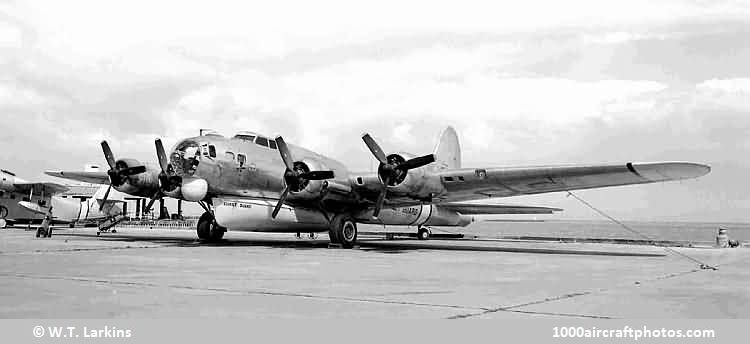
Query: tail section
[{"x": 448, "y": 151}]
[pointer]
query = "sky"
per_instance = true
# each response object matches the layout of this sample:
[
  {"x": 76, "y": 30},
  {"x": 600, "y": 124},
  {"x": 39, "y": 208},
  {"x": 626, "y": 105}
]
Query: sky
[{"x": 523, "y": 82}]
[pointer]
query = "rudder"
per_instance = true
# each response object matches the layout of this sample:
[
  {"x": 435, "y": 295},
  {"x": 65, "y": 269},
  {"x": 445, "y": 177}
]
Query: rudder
[{"x": 448, "y": 150}]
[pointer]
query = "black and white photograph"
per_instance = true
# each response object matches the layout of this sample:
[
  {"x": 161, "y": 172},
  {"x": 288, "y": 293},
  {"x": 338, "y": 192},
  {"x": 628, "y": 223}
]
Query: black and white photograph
[{"x": 572, "y": 171}]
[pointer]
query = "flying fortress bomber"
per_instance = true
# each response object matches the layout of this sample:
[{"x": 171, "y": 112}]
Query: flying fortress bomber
[{"x": 252, "y": 183}]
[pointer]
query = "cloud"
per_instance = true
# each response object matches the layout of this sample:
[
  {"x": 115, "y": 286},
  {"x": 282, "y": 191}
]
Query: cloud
[{"x": 580, "y": 81}]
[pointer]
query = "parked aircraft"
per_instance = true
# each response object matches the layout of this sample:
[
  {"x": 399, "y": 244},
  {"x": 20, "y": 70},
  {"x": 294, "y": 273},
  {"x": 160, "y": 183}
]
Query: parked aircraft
[
  {"x": 252, "y": 183},
  {"x": 24, "y": 202}
]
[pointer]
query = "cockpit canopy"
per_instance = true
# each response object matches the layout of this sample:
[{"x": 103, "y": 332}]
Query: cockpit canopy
[{"x": 260, "y": 140}]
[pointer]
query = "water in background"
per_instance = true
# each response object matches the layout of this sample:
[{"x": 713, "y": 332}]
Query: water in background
[
  {"x": 676, "y": 231},
  {"x": 697, "y": 232}
]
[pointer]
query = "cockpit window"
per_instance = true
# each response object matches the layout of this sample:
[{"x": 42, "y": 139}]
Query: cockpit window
[
  {"x": 272, "y": 144},
  {"x": 262, "y": 141}
]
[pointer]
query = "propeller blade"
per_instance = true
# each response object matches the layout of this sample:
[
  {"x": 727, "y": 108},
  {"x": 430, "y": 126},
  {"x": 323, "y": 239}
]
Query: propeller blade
[
  {"x": 108, "y": 155},
  {"x": 131, "y": 171},
  {"x": 381, "y": 198},
  {"x": 375, "y": 149},
  {"x": 162, "y": 155},
  {"x": 417, "y": 162},
  {"x": 317, "y": 175},
  {"x": 286, "y": 155},
  {"x": 106, "y": 196},
  {"x": 282, "y": 199}
]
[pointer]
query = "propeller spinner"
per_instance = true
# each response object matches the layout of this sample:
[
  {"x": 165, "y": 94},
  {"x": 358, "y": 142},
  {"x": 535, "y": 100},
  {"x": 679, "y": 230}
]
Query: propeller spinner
[
  {"x": 297, "y": 174},
  {"x": 119, "y": 171},
  {"x": 168, "y": 180},
  {"x": 392, "y": 168}
]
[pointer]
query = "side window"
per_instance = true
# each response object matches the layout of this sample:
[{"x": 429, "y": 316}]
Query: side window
[
  {"x": 230, "y": 156},
  {"x": 204, "y": 149},
  {"x": 241, "y": 160},
  {"x": 212, "y": 151},
  {"x": 262, "y": 141},
  {"x": 272, "y": 144}
]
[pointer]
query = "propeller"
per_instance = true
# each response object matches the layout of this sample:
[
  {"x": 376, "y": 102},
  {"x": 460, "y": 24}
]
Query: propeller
[
  {"x": 168, "y": 180},
  {"x": 297, "y": 174},
  {"x": 392, "y": 168},
  {"x": 118, "y": 172}
]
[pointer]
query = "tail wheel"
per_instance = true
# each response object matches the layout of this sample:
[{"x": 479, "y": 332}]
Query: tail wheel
[
  {"x": 423, "y": 233},
  {"x": 208, "y": 229},
  {"x": 343, "y": 231}
]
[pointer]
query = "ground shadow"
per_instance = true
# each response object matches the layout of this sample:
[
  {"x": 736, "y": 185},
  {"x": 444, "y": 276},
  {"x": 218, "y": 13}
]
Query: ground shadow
[{"x": 373, "y": 244}]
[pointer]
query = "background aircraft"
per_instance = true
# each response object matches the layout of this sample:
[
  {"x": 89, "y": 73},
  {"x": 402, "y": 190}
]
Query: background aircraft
[
  {"x": 25, "y": 202},
  {"x": 252, "y": 183}
]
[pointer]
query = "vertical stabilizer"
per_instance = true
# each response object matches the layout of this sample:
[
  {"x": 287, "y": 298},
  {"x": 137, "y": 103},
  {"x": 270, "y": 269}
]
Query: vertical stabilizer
[{"x": 448, "y": 151}]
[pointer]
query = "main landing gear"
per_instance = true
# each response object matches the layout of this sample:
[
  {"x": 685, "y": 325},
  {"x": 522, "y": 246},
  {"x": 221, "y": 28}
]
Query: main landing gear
[
  {"x": 208, "y": 229},
  {"x": 343, "y": 231}
]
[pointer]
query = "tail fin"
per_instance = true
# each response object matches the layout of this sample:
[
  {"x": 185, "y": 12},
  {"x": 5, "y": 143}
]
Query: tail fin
[{"x": 448, "y": 151}]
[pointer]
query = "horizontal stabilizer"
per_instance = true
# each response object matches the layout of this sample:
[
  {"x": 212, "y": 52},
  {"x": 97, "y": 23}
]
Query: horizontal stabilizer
[{"x": 47, "y": 188}]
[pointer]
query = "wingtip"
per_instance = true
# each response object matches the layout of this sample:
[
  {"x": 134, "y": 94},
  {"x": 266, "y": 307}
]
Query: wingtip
[{"x": 672, "y": 170}]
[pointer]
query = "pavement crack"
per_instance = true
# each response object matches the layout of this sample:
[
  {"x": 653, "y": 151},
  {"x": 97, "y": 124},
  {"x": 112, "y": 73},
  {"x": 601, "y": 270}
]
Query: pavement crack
[
  {"x": 243, "y": 292},
  {"x": 79, "y": 250},
  {"x": 515, "y": 309}
]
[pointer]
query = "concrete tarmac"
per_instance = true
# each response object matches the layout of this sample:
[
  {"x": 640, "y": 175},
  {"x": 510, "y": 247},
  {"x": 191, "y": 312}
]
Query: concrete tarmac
[{"x": 143, "y": 273}]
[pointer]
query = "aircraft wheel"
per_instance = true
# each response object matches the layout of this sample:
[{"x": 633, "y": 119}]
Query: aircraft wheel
[
  {"x": 423, "y": 233},
  {"x": 38, "y": 234},
  {"x": 344, "y": 230},
  {"x": 204, "y": 226},
  {"x": 208, "y": 229},
  {"x": 3, "y": 223},
  {"x": 98, "y": 233},
  {"x": 217, "y": 232},
  {"x": 114, "y": 231}
]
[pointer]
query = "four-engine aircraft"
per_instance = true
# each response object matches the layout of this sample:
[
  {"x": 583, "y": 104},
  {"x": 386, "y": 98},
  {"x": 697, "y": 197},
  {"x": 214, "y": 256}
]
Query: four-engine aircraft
[{"x": 252, "y": 183}]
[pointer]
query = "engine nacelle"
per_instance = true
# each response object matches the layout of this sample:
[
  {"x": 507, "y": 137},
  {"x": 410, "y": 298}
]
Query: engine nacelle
[
  {"x": 143, "y": 184},
  {"x": 309, "y": 189},
  {"x": 420, "y": 215},
  {"x": 415, "y": 183}
]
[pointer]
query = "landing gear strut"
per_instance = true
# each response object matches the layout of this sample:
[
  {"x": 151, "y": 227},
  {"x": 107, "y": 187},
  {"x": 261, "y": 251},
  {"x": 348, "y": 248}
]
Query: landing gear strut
[
  {"x": 208, "y": 229},
  {"x": 343, "y": 231}
]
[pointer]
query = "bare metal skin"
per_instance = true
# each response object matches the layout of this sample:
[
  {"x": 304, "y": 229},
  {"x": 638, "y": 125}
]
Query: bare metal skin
[{"x": 253, "y": 183}]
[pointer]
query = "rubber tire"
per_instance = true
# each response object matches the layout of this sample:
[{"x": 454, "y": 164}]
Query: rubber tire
[
  {"x": 337, "y": 226},
  {"x": 208, "y": 229},
  {"x": 204, "y": 226},
  {"x": 423, "y": 234},
  {"x": 217, "y": 232}
]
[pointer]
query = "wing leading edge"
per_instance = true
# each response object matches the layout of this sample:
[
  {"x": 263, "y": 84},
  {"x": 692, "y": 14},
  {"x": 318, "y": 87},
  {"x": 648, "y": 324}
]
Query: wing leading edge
[
  {"x": 86, "y": 177},
  {"x": 477, "y": 183}
]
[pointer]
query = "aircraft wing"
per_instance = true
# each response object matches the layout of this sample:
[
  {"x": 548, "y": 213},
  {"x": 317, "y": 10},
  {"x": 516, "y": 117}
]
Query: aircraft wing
[
  {"x": 86, "y": 177},
  {"x": 47, "y": 188},
  {"x": 486, "y": 209},
  {"x": 477, "y": 183}
]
